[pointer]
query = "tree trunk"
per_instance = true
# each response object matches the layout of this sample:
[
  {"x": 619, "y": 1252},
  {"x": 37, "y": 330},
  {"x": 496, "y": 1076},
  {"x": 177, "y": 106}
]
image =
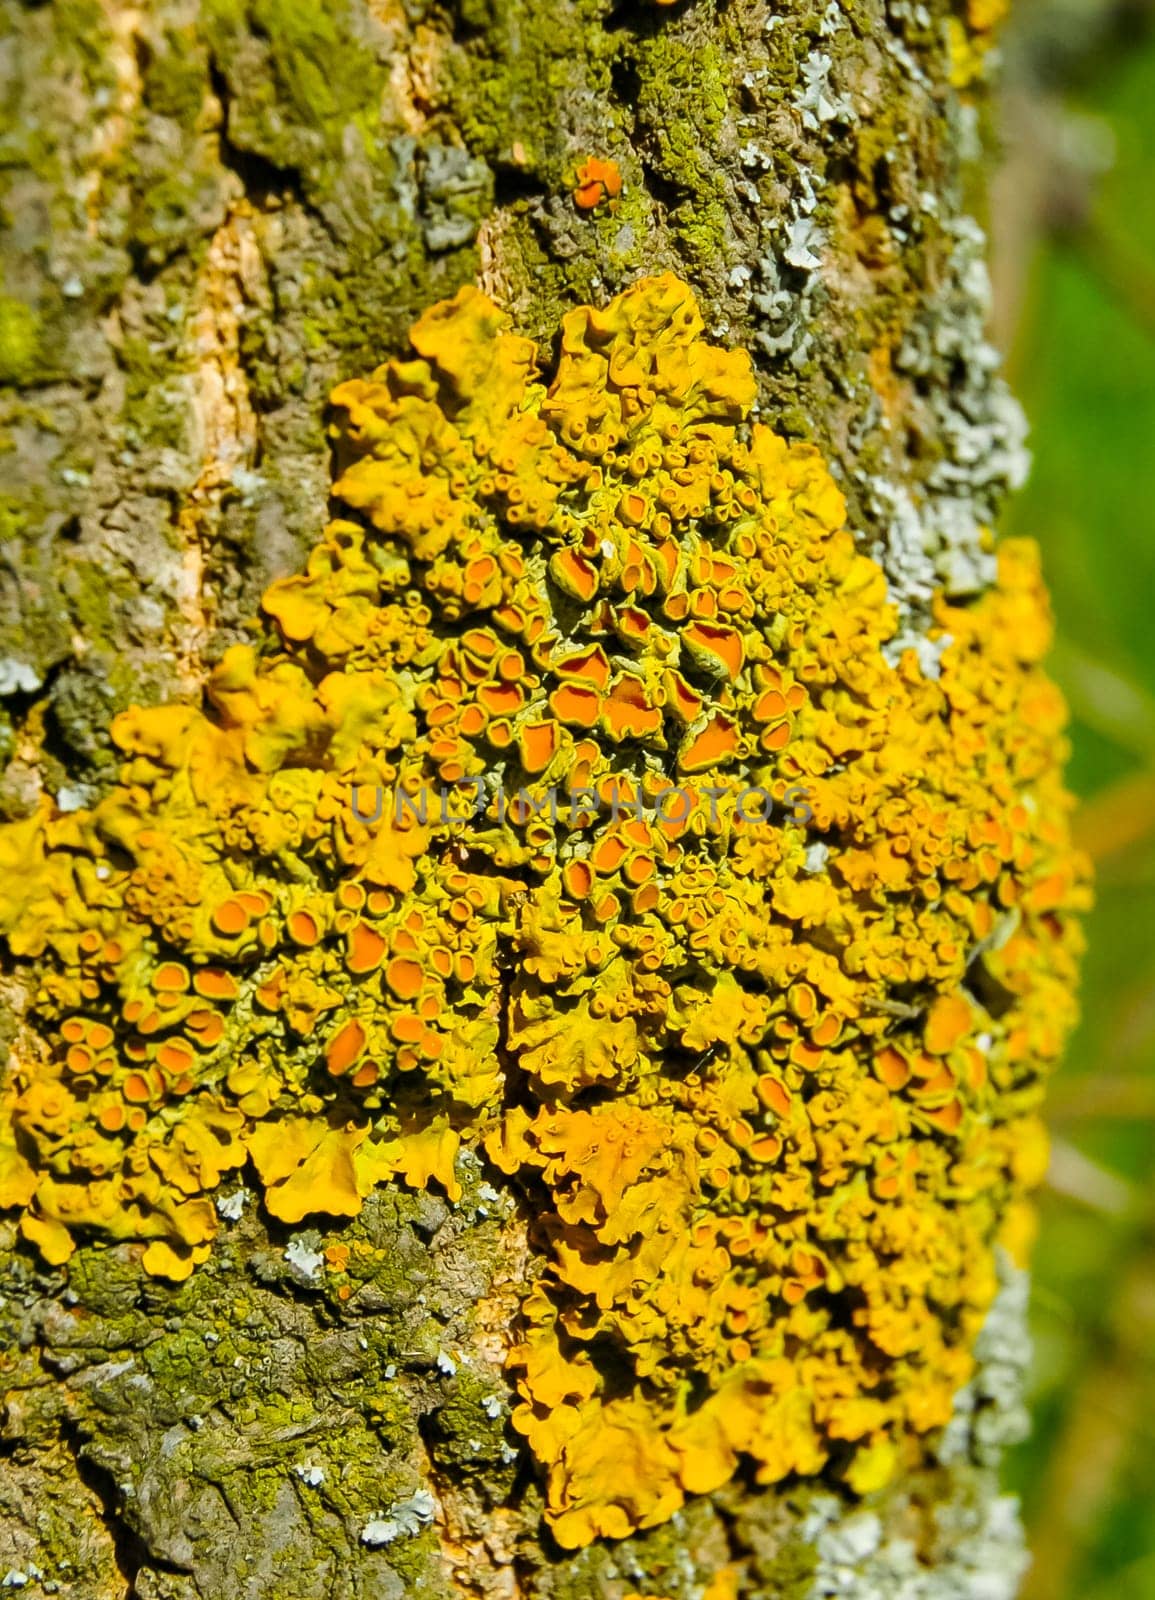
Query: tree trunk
[{"x": 216, "y": 210}]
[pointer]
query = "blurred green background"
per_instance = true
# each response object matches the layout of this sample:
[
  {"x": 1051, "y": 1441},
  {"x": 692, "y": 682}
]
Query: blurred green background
[{"x": 1073, "y": 219}]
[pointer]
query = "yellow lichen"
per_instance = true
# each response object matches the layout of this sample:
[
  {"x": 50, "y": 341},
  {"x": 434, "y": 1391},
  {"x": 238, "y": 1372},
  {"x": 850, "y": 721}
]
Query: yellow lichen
[
  {"x": 970, "y": 39},
  {"x": 767, "y": 1067}
]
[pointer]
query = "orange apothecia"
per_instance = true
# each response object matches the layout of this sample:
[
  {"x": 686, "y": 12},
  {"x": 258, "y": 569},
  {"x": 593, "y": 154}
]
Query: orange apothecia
[
  {"x": 597, "y": 180},
  {"x": 777, "y": 1079}
]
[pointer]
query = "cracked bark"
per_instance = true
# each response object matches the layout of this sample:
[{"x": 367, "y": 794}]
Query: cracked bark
[{"x": 214, "y": 209}]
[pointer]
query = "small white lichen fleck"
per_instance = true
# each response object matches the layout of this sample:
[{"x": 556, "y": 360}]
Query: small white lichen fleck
[
  {"x": 853, "y": 1539},
  {"x": 403, "y": 1520},
  {"x": 18, "y": 677},
  {"x": 816, "y": 856},
  {"x": 804, "y": 239},
  {"x": 73, "y": 796},
  {"x": 303, "y": 1258},
  {"x": 230, "y": 1206},
  {"x": 248, "y": 484},
  {"x": 310, "y": 1473},
  {"x": 819, "y": 102}
]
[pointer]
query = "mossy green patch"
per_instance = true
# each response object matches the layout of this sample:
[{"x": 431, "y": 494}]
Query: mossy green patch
[
  {"x": 81, "y": 30},
  {"x": 171, "y": 210},
  {"x": 14, "y": 515},
  {"x": 469, "y": 1427},
  {"x": 176, "y": 76},
  {"x": 155, "y": 410},
  {"x": 683, "y": 99},
  {"x": 519, "y": 66},
  {"x": 20, "y": 339},
  {"x": 790, "y": 1574},
  {"x": 308, "y": 95}
]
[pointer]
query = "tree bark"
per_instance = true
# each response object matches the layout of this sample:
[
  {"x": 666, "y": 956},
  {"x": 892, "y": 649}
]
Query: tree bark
[{"x": 215, "y": 210}]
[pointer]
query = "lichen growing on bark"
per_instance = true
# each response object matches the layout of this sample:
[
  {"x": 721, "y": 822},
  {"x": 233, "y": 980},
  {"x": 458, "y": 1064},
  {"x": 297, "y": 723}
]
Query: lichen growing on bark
[{"x": 740, "y": 947}]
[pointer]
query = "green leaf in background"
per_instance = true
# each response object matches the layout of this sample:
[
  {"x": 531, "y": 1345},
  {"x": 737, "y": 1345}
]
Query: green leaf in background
[{"x": 1084, "y": 366}]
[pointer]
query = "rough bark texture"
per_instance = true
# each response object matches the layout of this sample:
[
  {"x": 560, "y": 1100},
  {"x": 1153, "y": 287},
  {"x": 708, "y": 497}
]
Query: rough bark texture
[{"x": 215, "y": 209}]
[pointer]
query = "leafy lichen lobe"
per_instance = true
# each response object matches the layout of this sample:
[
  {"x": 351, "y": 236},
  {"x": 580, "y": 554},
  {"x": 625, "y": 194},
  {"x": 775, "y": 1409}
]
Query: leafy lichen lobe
[{"x": 740, "y": 946}]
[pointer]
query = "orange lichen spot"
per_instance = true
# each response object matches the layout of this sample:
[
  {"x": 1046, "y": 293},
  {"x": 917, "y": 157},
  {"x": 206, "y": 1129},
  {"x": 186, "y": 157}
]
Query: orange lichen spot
[
  {"x": 774, "y": 1095},
  {"x": 405, "y": 978},
  {"x": 539, "y": 742},
  {"x": 578, "y": 879},
  {"x": 607, "y": 908},
  {"x": 632, "y": 508},
  {"x": 231, "y": 917},
  {"x": 366, "y": 947},
  {"x": 407, "y": 1028},
  {"x": 632, "y": 626},
  {"x": 303, "y": 927},
  {"x": 948, "y": 1117},
  {"x": 639, "y": 869},
  {"x": 345, "y": 1046},
  {"x": 576, "y": 704},
  {"x": 574, "y": 574},
  {"x": 497, "y": 700},
  {"x": 627, "y": 713},
  {"x": 590, "y": 666},
  {"x": 716, "y": 650},
  {"x": 770, "y": 704},
  {"x": 709, "y": 747},
  {"x": 948, "y": 1022},
  {"x": 685, "y": 702},
  {"x": 609, "y": 853},
  {"x": 892, "y": 1068},
  {"x": 597, "y": 180},
  {"x": 207, "y": 1027},
  {"x": 212, "y": 983},
  {"x": 175, "y": 1057}
]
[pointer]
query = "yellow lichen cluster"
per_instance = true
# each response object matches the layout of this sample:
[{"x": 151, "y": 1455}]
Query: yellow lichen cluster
[
  {"x": 768, "y": 1069},
  {"x": 971, "y": 36}
]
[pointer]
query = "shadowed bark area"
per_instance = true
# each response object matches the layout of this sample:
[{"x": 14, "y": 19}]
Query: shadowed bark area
[{"x": 213, "y": 212}]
